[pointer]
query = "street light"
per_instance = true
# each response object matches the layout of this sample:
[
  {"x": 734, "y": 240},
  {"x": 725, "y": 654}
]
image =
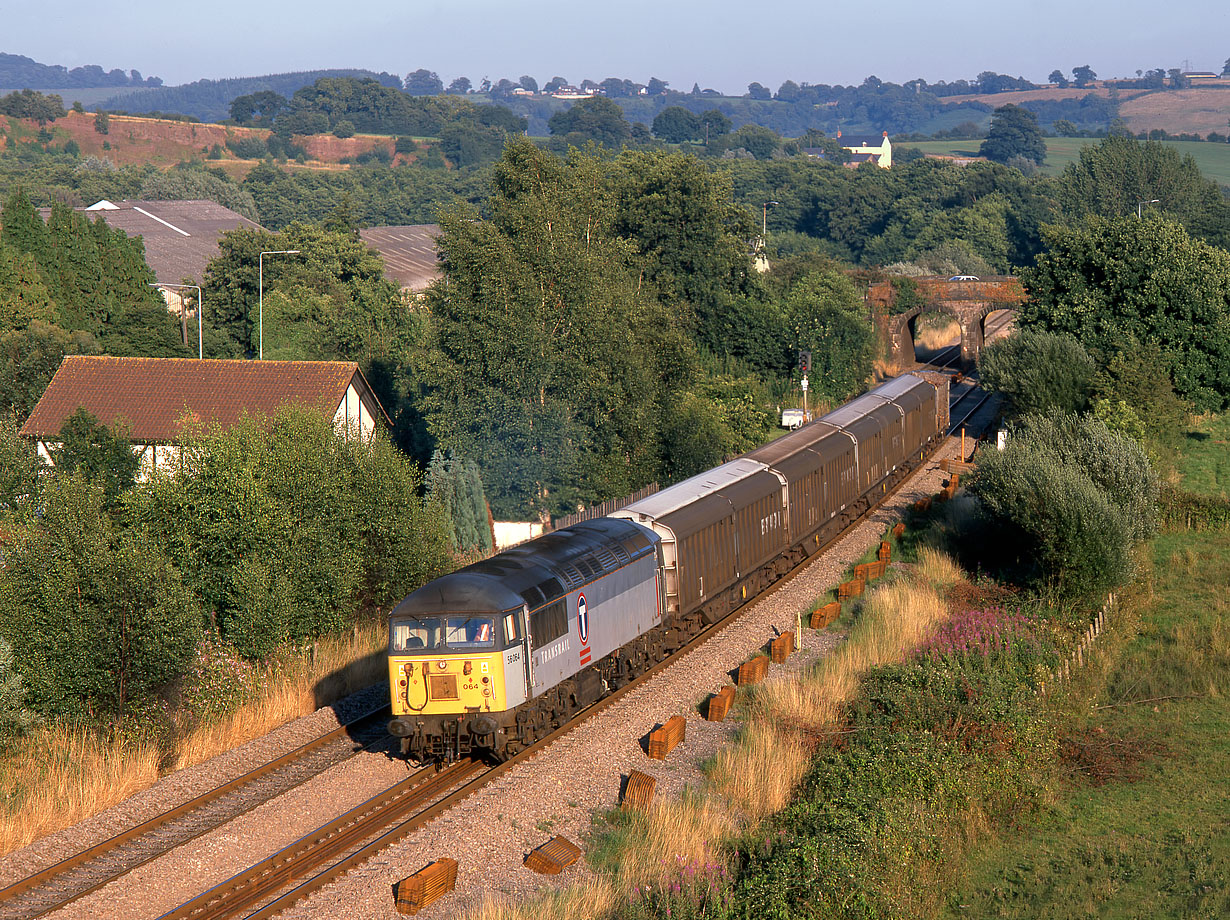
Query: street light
[
  {"x": 200, "y": 306},
  {"x": 260, "y": 295},
  {"x": 764, "y": 220},
  {"x": 1141, "y": 204}
]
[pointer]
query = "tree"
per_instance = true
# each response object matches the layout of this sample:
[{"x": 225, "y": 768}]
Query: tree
[
  {"x": 1069, "y": 498},
  {"x": 423, "y": 82},
  {"x": 546, "y": 356},
  {"x": 1065, "y": 128},
  {"x": 97, "y": 453},
  {"x": 456, "y": 485},
  {"x": 1057, "y": 77},
  {"x": 597, "y": 119},
  {"x": 460, "y": 86},
  {"x": 528, "y": 82},
  {"x": 1111, "y": 179},
  {"x": 714, "y": 123},
  {"x": 1082, "y": 76},
  {"x": 676, "y": 125},
  {"x": 758, "y": 92},
  {"x": 825, "y": 315},
  {"x": 98, "y": 617},
  {"x": 1014, "y": 133},
  {"x": 102, "y": 123},
  {"x": 760, "y": 142},
  {"x": 656, "y": 87},
  {"x": 1123, "y": 279},
  {"x": 1039, "y": 372},
  {"x": 343, "y": 129}
]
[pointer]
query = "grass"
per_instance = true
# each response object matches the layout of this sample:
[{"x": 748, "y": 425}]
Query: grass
[
  {"x": 1146, "y": 834},
  {"x": 1206, "y": 459},
  {"x": 1213, "y": 159},
  {"x": 51, "y": 779}
]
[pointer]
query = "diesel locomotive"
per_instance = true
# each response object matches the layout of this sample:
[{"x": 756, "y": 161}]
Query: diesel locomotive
[{"x": 493, "y": 657}]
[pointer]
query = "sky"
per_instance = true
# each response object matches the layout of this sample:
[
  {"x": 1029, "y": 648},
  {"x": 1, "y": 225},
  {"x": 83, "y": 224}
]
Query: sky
[{"x": 720, "y": 44}]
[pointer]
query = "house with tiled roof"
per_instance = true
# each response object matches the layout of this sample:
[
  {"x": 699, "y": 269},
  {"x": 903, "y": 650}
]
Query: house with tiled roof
[
  {"x": 411, "y": 258},
  {"x": 157, "y": 399}
]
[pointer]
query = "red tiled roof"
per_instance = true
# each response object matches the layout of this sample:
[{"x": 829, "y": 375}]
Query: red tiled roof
[{"x": 153, "y": 395}]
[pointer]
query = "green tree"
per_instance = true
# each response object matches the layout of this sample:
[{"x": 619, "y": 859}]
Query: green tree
[
  {"x": 760, "y": 142},
  {"x": 825, "y": 315},
  {"x": 546, "y": 358},
  {"x": 15, "y": 718},
  {"x": 1014, "y": 133},
  {"x": 1113, "y": 177},
  {"x": 326, "y": 528},
  {"x": 676, "y": 125},
  {"x": 97, "y": 453},
  {"x": 19, "y": 468},
  {"x": 1082, "y": 76},
  {"x": 424, "y": 82},
  {"x": 1039, "y": 372},
  {"x": 598, "y": 119},
  {"x": 1124, "y": 279},
  {"x": 99, "y": 619},
  {"x": 457, "y": 487},
  {"x": 1069, "y": 498}
]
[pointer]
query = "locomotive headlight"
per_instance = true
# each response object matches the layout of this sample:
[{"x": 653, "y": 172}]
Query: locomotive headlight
[{"x": 441, "y": 665}]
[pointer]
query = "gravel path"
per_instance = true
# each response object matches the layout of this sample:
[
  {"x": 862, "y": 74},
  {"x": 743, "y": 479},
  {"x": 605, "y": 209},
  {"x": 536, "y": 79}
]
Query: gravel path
[{"x": 490, "y": 833}]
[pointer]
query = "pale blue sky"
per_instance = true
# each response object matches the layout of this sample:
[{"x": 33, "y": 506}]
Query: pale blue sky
[{"x": 719, "y": 43}]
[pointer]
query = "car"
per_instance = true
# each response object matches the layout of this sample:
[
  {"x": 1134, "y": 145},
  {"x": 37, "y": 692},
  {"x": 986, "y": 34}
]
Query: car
[
  {"x": 963, "y": 278},
  {"x": 793, "y": 418}
]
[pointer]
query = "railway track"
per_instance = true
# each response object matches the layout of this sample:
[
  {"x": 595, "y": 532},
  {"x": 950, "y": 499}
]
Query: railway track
[
  {"x": 61, "y": 884},
  {"x": 273, "y": 884}
]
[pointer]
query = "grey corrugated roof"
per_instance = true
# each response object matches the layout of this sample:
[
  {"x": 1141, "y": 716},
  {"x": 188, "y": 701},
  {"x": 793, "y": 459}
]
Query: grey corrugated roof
[
  {"x": 181, "y": 237},
  {"x": 409, "y": 252}
]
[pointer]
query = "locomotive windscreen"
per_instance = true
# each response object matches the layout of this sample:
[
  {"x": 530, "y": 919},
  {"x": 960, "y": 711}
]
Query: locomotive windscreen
[{"x": 410, "y": 634}]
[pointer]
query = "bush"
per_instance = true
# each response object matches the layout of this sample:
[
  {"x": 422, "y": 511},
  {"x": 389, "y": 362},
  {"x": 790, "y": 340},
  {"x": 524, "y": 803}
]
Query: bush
[
  {"x": 286, "y": 531},
  {"x": 343, "y": 129},
  {"x": 14, "y": 717},
  {"x": 1069, "y": 498},
  {"x": 249, "y": 147},
  {"x": 1039, "y": 372},
  {"x": 98, "y": 617}
]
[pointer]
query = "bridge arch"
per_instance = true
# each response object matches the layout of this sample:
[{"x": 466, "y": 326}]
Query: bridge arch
[{"x": 897, "y": 306}]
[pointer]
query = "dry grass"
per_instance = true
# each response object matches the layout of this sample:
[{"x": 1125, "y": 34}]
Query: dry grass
[
  {"x": 759, "y": 773},
  {"x": 296, "y": 686},
  {"x": 54, "y": 778},
  {"x": 670, "y": 833},
  {"x": 596, "y": 897},
  {"x": 937, "y": 334},
  {"x": 937, "y": 568}
]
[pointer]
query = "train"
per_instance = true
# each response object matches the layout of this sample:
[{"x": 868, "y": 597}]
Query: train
[{"x": 489, "y": 659}]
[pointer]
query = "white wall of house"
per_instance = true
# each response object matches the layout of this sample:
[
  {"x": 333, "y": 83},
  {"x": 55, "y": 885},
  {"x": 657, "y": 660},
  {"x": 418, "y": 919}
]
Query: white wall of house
[{"x": 352, "y": 418}]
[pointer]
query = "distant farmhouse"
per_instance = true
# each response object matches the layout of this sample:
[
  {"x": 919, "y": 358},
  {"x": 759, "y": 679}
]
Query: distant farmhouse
[
  {"x": 411, "y": 259},
  {"x": 861, "y": 151},
  {"x": 864, "y": 151},
  {"x": 156, "y": 398}
]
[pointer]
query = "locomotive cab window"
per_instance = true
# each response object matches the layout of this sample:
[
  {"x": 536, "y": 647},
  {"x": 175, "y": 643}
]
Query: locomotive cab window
[
  {"x": 549, "y": 623},
  {"x": 512, "y": 628},
  {"x": 414, "y": 634},
  {"x": 470, "y": 632}
]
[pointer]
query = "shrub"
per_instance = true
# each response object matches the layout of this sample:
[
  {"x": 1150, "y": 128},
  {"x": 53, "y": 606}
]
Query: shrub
[
  {"x": 98, "y": 617},
  {"x": 343, "y": 129},
  {"x": 1039, "y": 372},
  {"x": 1070, "y": 498},
  {"x": 14, "y": 717},
  {"x": 250, "y": 147}
]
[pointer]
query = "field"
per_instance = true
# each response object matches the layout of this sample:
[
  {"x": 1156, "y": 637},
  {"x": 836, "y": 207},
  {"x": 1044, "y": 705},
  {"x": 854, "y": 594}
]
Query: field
[
  {"x": 1213, "y": 159},
  {"x": 1144, "y": 832}
]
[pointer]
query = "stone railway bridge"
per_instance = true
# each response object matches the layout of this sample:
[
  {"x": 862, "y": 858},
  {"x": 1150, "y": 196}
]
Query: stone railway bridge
[{"x": 896, "y": 306}]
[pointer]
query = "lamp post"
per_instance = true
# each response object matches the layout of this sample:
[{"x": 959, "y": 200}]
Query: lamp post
[
  {"x": 260, "y": 296},
  {"x": 200, "y": 306},
  {"x": 1141, "y": 204},
  {"x": 764, "y": 220}
]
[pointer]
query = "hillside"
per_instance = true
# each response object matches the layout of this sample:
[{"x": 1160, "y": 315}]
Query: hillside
[{"x": 135, "y": 140}]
